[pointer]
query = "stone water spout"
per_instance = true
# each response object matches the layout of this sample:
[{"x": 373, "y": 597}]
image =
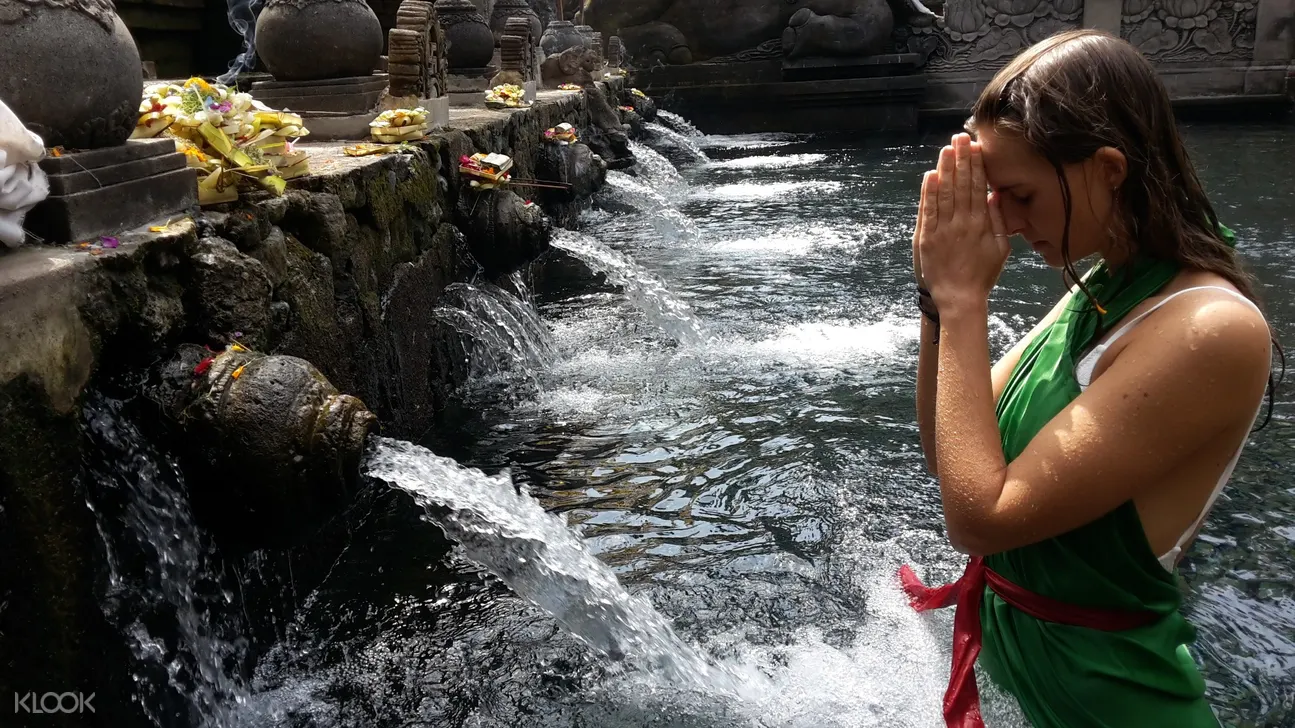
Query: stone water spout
[{"x": 275, "y": 450}]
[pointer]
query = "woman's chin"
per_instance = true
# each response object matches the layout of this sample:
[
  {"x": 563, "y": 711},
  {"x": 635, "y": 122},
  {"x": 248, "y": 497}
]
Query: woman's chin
[{"x": 1050, "y": 254}]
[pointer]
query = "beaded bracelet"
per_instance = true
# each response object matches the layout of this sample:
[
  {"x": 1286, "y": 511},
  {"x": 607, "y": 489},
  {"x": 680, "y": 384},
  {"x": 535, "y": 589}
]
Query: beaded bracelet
[{"x": 926, "y": 305}]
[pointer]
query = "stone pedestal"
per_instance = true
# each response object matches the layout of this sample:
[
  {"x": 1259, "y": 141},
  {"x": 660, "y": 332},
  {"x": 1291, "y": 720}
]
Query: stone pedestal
[
  {"x": 517, "y": 52},
  {"x": 112, "y": 190},
  {"x": 815, "y": 68},
  {"x": 470, "y": 80},
  {"x": 354, "y": 95},
  {"x": 438, "y": 111},
  {"x": 332, "y": 108}
]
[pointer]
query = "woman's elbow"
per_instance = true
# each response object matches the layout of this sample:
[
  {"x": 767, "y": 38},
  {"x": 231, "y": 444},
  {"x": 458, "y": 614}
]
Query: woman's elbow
[{"x": 970, "y": 539}]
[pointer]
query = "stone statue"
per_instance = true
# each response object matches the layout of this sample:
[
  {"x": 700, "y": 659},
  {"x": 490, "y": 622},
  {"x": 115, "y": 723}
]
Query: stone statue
[
  {"x": 686, "y": 31},
  {"x": 574, "y": 65}
]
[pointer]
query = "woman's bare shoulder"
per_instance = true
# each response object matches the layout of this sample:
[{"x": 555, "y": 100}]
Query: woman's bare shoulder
[{"x": 1211, "y": 317}]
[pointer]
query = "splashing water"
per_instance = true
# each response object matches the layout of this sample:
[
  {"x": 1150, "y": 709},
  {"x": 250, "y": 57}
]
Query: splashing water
[
  {"x": 163, "y": 590},
  {"x": 644, "y": 290},
  {"x": 503, "y": 333},
  {"x": 673, "y": 141},
  {"x": 506, "y": 531},
  {"x": 771, "y": 161},
  {"x": 242, "y": 18},
  {"x": 678, "y": 123},
  {"x": 657, "y": 171},
  {"x": 626, "y": 192}
]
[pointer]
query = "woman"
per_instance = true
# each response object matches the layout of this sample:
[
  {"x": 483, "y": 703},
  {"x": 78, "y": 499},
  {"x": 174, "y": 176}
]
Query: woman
[{"x": 1077, "y": 469}]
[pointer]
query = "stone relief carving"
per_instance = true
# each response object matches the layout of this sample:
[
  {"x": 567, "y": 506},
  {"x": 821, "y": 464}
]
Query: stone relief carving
[
  {"x": 985, "y": 34},
  {"x": 1190, "y": 30},
  {"x": 679, "y": 32}
]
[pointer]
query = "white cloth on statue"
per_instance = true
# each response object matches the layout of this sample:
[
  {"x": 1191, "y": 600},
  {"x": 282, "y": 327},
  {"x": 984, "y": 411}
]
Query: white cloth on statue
[{"x": 22, "y": 181}]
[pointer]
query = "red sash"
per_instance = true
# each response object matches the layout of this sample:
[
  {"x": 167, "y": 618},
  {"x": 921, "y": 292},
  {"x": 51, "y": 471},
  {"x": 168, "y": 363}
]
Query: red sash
[{"x": 962, "y": 699}]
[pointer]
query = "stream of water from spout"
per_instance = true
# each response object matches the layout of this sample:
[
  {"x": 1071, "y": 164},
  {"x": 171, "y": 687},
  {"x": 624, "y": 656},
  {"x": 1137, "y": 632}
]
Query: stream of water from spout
[
  {"x": 645, "y": 291},
  {"x": 503, "y": 332},
  {"x": 627, "y": 193},
  {"x": 678, "y": 123},
  {"x": 502, "y": 528},
  {"x": 657, "y": 171},
  {"x": 686, "y": 146}
]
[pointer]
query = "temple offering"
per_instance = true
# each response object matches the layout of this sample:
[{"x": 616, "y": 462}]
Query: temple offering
[
  {"x": 506, "y": 96},
  {"x": 225, "y": 134},
  {"x": 400, "y": 125},
  {"x": 563, "y": 134},
  {"x": 569, "y": 87},
  {"x": 486, "y": 171}
]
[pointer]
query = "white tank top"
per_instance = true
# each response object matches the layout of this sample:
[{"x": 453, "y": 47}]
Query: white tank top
[{"x": 1084, "y": 375}]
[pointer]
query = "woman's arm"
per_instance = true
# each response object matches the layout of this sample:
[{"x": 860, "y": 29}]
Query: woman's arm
[
  {"x": 928, "y": 350},
  {"x": 1197, "y": 371},
  {"x": 928, "y": 366}
]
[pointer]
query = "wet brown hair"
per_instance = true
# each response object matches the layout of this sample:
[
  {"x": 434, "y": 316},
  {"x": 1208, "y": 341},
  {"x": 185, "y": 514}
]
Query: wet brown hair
[{"x": 1080, "y": 90}]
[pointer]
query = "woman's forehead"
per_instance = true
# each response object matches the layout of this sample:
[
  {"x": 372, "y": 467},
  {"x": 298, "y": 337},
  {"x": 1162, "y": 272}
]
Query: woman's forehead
[{"x": 1009, "y": 160}]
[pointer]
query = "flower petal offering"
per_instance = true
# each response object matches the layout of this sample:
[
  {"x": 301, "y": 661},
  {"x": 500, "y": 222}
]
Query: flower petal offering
[
  {"x": 506, "y": 96},
  {"x": 226, "y": 135},
  {"x": 400, "y": 125}
]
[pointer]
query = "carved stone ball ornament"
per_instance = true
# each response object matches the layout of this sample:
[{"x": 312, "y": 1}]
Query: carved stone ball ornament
[
  {"x": 311, "y": 40},
  {"x": 472, "y": 45},
  {"x": 505, "y": 9},
  {"x": 70, "y": 70}
]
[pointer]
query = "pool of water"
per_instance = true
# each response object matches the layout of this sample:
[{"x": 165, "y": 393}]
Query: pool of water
[{"x": 737, "y": 441}]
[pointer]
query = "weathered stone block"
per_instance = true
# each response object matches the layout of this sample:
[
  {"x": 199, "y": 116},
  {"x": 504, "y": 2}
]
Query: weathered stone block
[
  {"x": 111, "y": 190},
  {"x": 230, "y": 294}
]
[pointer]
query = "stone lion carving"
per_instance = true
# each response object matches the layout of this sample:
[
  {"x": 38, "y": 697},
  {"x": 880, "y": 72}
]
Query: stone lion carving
[
  {"x": 574, "y": 65},
  {"x": 686, "y": 31}
]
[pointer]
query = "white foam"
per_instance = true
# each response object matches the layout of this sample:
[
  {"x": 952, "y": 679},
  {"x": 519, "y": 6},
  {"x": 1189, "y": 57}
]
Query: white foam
[
  {"x": 771, "y": 162},
  {"x": 763, "y": 190}
]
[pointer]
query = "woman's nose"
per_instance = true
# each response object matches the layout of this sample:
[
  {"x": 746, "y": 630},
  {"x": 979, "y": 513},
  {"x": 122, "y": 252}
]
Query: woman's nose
[{"x": 1014, "y": 220}]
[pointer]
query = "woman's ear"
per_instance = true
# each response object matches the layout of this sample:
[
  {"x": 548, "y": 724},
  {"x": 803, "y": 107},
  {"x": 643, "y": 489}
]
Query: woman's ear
[{"x": 1112, "y": 165}]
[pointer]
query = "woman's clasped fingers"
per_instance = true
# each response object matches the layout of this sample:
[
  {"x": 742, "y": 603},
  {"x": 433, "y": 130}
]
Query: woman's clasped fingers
[
  {"x": 947, "y": 170},
  {"x": 929, "y": 215},
  {"x": 978, "y": 188},
  {"x": 962, "y": 192}
]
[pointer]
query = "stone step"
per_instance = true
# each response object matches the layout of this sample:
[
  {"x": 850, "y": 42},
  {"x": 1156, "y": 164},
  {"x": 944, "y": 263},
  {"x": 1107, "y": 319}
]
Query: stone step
[
  {"x": 93, "y": 179},
  {"x": 98, "y": 158},
  {"x": 86, "y": 215}
]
